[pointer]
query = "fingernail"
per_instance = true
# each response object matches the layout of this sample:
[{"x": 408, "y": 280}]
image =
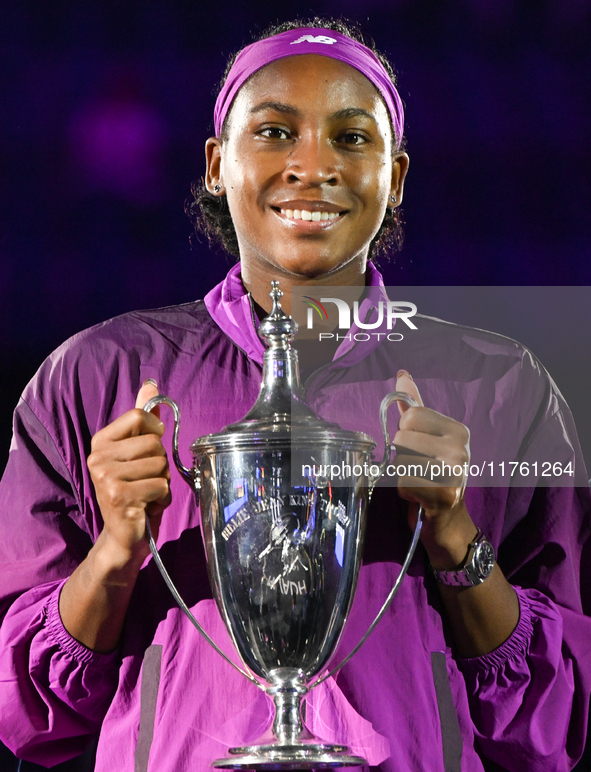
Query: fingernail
[
  {"x": 404, "y": 372},
  {"x": 150, "y": 382}
]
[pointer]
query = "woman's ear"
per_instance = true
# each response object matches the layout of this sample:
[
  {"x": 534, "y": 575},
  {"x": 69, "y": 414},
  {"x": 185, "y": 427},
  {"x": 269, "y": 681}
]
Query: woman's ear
[
  {"x": 213, "y": 161},
  {"x": 399, "y": 169}
]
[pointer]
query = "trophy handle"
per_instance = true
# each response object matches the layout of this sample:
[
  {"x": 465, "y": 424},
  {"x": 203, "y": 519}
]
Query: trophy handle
[
  {"x": 187, "y": 474},
  {"x": 191, "y": 477},
  {"x": 387, "y": 602},
  {"x": 394, "y": 396}
]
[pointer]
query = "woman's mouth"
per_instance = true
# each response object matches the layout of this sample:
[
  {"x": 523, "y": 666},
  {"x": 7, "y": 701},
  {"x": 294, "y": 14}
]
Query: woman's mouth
[{"x": 308, "y": 216}]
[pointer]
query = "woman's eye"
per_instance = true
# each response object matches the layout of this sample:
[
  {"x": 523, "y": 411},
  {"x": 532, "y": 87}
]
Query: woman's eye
[
  {"x": 274, "y": 132},
  {"x": 354, "y": 138}
]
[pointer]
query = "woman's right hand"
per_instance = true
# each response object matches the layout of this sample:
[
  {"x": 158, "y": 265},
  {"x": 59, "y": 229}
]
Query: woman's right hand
[{"x": 130, "y": 472}]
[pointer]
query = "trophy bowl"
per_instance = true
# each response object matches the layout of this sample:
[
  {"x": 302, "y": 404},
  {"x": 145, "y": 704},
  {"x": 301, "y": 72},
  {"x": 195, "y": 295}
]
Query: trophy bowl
[
  {"x": 283, "y": 558},
  {"x": 283, "y": 543}
]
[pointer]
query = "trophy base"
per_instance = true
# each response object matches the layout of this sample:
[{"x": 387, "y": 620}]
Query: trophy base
[{"x": 289, "y": 757}]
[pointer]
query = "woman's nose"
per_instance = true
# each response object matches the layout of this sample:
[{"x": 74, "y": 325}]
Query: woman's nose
[{"x": 312, "y": 161}]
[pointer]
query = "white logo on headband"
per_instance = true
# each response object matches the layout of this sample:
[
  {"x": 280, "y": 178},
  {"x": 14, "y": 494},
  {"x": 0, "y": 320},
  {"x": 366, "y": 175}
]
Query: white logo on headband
[{"x": 311, "y": 39}]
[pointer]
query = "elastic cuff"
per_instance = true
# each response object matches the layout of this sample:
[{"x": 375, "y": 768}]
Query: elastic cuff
[
  {"x": 64, "y": 640},
  {"x": 515, "y": 646}
]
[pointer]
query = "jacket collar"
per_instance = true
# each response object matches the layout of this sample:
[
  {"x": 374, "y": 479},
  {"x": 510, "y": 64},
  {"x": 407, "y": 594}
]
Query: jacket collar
[{"x": 231, "y": 307}]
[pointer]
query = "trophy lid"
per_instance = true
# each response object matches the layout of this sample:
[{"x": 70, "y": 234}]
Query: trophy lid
[{"x": 280, "y": 414}]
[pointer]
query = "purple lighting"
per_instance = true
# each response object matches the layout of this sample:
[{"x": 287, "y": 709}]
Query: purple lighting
[{"x": 119, "y": 147}]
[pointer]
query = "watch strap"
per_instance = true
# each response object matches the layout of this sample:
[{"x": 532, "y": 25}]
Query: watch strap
[{"x": 479, "y": 565}]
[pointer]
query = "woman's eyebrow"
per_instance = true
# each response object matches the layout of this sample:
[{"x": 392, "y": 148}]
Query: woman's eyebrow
[
  {"x": 352, "y": 112},
  {"x": 279, "y": 107},
  {"x": 282, "y": 107}
]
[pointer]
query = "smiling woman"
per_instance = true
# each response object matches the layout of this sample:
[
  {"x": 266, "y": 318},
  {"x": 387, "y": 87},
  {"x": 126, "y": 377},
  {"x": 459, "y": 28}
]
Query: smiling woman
[
  {"x": 474, "y": 667},
  {"x": 211, "y": 215},
  {"x": 306, "y": 135}
]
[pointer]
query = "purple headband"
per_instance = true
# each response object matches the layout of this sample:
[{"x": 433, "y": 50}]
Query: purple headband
[{"x": 324, "y": 42}]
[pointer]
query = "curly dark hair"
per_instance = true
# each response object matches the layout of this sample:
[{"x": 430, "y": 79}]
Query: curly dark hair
[{"x": 210, "y": 214}]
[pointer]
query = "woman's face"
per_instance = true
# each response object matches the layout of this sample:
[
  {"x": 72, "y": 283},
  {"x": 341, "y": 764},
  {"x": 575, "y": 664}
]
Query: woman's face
[{"x": 307, "y": 167}]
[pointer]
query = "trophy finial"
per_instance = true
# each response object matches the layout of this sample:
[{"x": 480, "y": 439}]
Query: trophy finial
[
  {"x": 280, "y": 400},
  {"x": 277, "y": 329},
  {"x": 275, "y": 296}
]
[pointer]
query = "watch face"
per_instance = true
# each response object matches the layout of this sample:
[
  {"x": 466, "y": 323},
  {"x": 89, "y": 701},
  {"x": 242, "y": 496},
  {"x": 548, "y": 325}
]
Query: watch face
[{"x": 484, "y": 559}]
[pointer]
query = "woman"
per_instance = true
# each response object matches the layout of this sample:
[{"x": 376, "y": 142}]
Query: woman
[{"x": 308, "y": 159}]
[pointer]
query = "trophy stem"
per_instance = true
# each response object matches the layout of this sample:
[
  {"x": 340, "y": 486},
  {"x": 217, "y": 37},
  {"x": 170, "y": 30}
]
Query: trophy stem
[
  {"x": 293, "y": 747},
  {"x": 287, "y": 692}
]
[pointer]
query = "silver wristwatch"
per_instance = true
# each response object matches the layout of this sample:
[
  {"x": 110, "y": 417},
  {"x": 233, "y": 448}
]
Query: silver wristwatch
[{"x": 478, "y": 567}]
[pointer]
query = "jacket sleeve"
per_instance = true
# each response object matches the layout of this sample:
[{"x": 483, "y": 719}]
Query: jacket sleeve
[
  {"x": 54, "y": 692},
  {"x": 529, "y": 699}
]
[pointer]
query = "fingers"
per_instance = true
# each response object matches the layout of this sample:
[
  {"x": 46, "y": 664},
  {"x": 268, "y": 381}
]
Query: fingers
[
  {"x": 433, "y": 449},
  {"x": 129, "y": 451},
  {"x": 439, "y": 459},
  {"x": 428, "y": 433},
  {"x": 128, "y": 498},
  {"x": 404, "y": 382},
  {"x": 130, "y": 448},
  {"x": 134, "y": 423},
  {"x": 132, "y": 460},
  {"x": 130, "y": 472},
  {"x": 419, "y": 471},
  {"x": 148, "y": 390},
  {"x": 432, "y": 434}
]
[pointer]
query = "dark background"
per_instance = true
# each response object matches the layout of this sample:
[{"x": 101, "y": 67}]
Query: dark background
[{"x": 106, "y": 106}]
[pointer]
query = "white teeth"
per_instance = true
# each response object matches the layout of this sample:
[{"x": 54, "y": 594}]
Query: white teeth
[{"x": 304, "y": 214}]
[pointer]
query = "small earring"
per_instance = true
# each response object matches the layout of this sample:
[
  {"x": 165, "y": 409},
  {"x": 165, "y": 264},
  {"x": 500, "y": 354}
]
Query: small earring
[
  {"x": 393, "y": 199},
  {"x": 217, "y": 188}
]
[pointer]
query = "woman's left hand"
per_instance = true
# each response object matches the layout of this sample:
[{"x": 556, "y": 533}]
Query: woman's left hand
[
  {"x": 440, "y": 446},
  {"x": 483, "y": 616}
]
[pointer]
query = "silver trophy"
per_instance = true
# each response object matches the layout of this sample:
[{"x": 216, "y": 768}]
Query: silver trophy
[{"x": 284, "y": 544}]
